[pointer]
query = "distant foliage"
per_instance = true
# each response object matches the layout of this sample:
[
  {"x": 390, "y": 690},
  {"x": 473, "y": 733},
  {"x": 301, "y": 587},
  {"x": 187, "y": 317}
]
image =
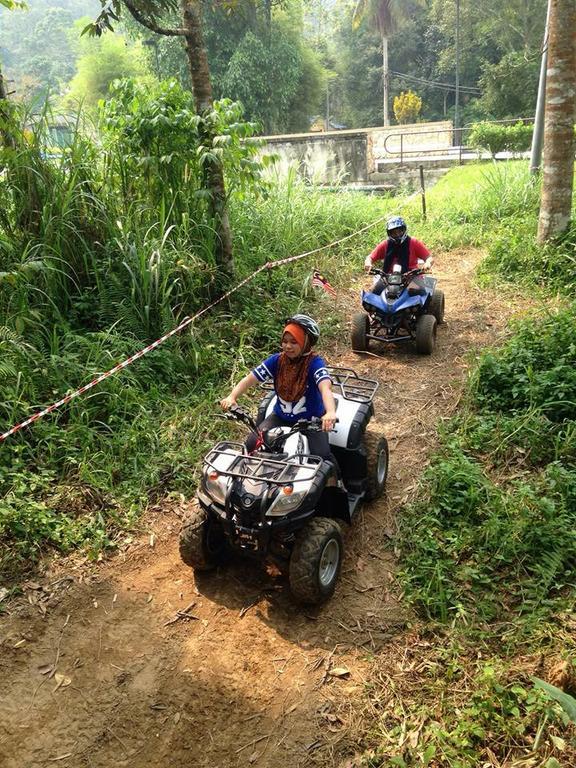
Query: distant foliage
[
  {"x": 101, "y": 61},
  {"x": 407, "y": 107}
]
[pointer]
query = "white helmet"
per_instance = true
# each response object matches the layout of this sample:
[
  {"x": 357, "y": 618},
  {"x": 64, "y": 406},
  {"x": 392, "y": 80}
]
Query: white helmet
[{"x": 397, "y": 222}]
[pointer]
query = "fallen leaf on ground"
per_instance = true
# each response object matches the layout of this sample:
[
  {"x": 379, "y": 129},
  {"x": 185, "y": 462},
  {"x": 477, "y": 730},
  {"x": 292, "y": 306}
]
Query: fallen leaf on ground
[
  {"x": 61, "y": 681},
  {"x": 339, "y": 671}
]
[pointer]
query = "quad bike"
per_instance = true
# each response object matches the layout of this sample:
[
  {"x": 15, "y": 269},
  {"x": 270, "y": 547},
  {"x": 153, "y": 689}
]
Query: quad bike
[
  {"x": 398, "y": 315},
  {"x": 281, "y": 504}
]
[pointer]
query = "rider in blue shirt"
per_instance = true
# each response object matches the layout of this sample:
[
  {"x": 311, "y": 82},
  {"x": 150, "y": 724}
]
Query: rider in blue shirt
[{"x": 301, "y": 382}]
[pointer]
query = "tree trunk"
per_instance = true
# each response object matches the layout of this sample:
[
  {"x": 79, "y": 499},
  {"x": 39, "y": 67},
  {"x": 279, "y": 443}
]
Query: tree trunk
[
  {"x": 5, "y": 136},
  {"x": 385, "y": 79},
  {"x": 202, "y": 89},
  {"x": 559, "y": 144}
]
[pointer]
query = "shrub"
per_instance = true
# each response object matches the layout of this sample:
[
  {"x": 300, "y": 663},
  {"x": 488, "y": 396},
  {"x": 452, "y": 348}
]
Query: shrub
[
  {"x": 407, "y": 107},
  {"x": 500, "y": 138}
]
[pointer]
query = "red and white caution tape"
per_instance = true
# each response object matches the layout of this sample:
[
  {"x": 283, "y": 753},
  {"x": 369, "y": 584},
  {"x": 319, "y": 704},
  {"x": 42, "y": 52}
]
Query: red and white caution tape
[{"x": 184, "y": 324}]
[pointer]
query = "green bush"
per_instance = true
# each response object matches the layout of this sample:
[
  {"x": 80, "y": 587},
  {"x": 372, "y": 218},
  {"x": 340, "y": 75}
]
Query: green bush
[
  {"x": 501, "y": 138},
  {"x": 535, "y": 369},
  {"x": 494, "y": 529}
]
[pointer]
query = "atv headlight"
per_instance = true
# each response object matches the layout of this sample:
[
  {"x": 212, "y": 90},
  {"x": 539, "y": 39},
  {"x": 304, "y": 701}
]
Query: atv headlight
[
  {"x": 215, "y": 485},
  {"x": 286, "y": 501}
]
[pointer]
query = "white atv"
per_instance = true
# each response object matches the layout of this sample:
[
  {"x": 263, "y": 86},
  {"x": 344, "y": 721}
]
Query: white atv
[{"x": 284, "y": 505}]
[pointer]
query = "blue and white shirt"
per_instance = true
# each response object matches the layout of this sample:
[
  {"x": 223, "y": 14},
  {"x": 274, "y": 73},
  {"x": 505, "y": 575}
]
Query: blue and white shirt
[{"x": 310, "y": 404}]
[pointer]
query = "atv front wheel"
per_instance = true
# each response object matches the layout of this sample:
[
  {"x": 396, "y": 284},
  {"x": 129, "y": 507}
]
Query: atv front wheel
[
  {"x": 316, "y": 561},
  {"x": 436, "y": 306},
  {"x": 377, "y": 457},
  {"x": 360, "y": 327},
  {"x": 425, "y": 334},
  {"x": 202, "y": 544}
]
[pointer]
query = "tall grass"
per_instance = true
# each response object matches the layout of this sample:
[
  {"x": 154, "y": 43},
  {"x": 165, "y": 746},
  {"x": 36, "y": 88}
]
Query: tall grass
[
  {"x": 97, "y": 257},
  {"x": 495, "y": 206}
]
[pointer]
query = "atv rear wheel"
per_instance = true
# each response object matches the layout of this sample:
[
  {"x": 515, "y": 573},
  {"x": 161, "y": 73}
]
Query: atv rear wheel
[
  {"x": 316, "y": 561},
  {"x": 426, "y": 334},
  {"x": 202, "y": 543},
  {"x": 377, "y": 457},
  {"x": 360, "y": 327},
  {"x": 436, "y": 306}
]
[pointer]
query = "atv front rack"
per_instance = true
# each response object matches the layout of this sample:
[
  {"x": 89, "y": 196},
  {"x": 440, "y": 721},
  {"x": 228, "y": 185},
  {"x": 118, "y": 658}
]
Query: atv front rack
[
  {"x": 345, "y": 382},
  {"x": 263, "y": 467}
]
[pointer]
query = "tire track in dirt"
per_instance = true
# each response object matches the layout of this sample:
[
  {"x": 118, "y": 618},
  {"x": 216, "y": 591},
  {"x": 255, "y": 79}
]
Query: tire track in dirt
[{"x": 246, "y": 680}]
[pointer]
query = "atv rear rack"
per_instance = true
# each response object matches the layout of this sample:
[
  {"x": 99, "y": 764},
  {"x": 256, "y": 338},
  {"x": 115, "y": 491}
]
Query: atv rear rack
[
  {"x": 351, "y": 386},
  {"x": 263, "y": 468},
  {"x": 347, "y": 383}
]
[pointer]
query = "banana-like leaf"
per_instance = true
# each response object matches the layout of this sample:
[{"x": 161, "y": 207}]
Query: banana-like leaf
[{"x": 567, "y": 702}]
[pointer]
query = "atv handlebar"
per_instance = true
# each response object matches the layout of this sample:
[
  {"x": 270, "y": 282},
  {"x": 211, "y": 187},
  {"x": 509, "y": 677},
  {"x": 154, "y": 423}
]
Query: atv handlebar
[
  {"x": 406, "y": 276},
  {"x": 236, "y": 413}
]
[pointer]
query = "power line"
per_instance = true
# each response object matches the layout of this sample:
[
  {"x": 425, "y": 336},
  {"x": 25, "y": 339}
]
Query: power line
[
  {"x": 436, "y": 84},
  {"x": 471, "y": 89}
]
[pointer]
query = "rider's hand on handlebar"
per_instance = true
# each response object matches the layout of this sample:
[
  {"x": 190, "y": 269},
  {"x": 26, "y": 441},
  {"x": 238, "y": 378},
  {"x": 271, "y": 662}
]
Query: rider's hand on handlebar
[
  {"x": 328, "y": 421},
  {"x": 428, "y": 263},
  {"x": 368, "y": 264},
  {"x": 228, "y": 402}
]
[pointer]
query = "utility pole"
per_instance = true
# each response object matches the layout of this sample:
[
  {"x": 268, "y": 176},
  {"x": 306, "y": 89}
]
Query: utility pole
[
  {"x": 457, "y": 97},
  {"x": 386, "y": 80},
  {"x": 538, "y": 135}
]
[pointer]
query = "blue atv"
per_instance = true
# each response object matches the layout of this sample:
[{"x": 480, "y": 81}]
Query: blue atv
[{"x": 398, "y": 314}]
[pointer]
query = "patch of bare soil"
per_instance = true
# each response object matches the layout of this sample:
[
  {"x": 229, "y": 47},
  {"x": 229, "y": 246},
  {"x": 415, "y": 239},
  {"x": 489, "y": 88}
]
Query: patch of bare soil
[{"x": 135, "y": 662}]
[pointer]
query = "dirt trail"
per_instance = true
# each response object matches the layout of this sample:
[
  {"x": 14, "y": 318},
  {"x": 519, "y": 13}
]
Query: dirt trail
[{"x": 245, "y": 681}]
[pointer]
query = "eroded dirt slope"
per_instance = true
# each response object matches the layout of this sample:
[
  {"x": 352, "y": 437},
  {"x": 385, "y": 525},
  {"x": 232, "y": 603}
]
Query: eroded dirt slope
[{"x": 97, "y": 669}]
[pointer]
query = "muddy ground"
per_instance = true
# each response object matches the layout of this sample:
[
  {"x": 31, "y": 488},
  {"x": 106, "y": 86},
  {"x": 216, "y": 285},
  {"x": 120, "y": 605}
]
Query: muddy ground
[{"x": 97, "y": 668}]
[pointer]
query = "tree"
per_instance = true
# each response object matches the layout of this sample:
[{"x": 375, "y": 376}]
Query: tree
[
  {"x": 560, "y": 110},
  {"x": 385, "y": 14},
  {"x": 149, "y": 14},
  {"x": 100, "y": 62},
  {"x": 382, "y": 13},
  {"x": 510, "y": 85}
]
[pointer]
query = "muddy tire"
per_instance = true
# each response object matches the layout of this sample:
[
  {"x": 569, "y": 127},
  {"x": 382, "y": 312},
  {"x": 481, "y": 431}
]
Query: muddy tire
[
  {"x": 436, "y": 306},
  {"x": 377, "y": 458},
  {"x": 316, "y": 561},
  {"x": 360, "y": 327},
  {"x": 202, "y": 543},
  {"x": 426, "y": 334}
]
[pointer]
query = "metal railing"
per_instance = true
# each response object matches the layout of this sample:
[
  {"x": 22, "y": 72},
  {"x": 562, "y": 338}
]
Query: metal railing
[{"x": 456, "y": 147}]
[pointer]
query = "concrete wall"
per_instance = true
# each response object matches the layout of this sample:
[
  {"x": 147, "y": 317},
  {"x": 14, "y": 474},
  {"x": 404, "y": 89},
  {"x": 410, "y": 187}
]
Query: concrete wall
[
  {"x": 352, "y": 156},
  {"x": 322, "y": 158}
]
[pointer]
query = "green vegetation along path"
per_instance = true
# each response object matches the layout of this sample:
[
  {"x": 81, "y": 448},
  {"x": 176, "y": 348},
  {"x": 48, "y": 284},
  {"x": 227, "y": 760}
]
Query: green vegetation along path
[{"x": 98, "y": 669}]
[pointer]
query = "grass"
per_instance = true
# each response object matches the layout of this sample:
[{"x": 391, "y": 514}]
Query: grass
[{"x": 85, "y": 288}]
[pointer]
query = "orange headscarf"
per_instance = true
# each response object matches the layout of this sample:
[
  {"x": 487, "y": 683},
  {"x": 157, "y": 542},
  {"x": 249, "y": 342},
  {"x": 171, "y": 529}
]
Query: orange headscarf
[{"x": 298, "y": 332}]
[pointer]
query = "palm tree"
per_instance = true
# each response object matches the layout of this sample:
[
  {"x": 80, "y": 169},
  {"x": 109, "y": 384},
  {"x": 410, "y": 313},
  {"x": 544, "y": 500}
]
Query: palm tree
[
  {"x": 560, "y": 110},
  {"x": 383, "y": 13}
]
